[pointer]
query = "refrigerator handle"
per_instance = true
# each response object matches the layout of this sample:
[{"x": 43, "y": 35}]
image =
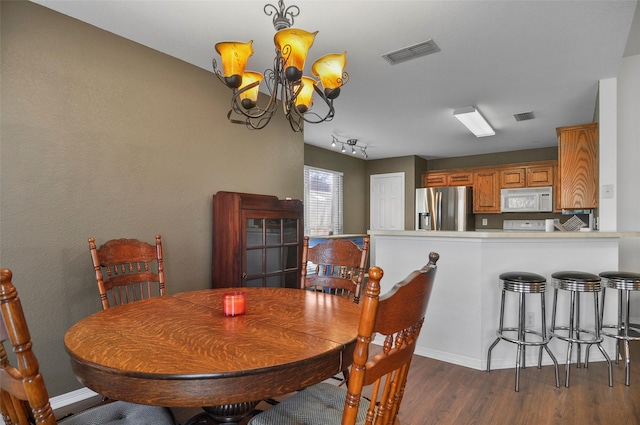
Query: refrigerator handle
[{"x": 438, "y": 219}]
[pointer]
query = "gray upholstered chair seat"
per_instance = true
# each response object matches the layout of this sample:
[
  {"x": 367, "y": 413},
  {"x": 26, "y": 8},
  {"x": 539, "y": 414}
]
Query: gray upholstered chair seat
[
  {"x": 121, "y": 413},
  {"x": 320, "y": 404}
]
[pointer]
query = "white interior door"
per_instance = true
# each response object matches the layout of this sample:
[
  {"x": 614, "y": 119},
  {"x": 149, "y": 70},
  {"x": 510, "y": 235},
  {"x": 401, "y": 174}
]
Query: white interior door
[{"x": 387, "y": 201}]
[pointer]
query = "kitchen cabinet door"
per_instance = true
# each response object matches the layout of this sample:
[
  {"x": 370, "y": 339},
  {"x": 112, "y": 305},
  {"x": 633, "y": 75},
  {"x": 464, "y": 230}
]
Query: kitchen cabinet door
[
  {"x": 540, "y": 176},
  {"x": 578, "y": 166},
  {"x": 448, "y": 178},
  {"x": 435, "y": 179},
  {"x": 513, "y": 177},
  {"x": 486, "y": 191},
  {"x": 461, "y": 178}
]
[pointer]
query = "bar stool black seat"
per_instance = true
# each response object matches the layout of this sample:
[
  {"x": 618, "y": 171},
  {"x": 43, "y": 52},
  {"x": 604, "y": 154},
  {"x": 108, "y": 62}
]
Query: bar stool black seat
[
  {"x": 577, "y": 282},
  {"x": 624, "y": 282},
  {"x": 523, "y": 283}
]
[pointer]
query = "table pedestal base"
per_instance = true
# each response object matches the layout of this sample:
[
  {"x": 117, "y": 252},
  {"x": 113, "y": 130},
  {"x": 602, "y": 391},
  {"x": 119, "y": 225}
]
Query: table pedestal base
[{"x": 228, "y": 414}]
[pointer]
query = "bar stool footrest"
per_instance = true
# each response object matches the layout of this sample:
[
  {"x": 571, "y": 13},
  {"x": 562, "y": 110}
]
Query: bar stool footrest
[{"x": 517, "y": 341}]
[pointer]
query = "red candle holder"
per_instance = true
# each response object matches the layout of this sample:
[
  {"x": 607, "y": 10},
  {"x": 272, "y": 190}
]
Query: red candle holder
[{"x": 234, "y": 303}]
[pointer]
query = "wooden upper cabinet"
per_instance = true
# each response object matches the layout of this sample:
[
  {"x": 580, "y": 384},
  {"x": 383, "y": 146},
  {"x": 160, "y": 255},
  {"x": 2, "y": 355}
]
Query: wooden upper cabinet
[
  {"x": 486, "y": 191},
  {"x": 434, "y": 179},
  {"x": 578, "y": 166},
  {"x": 527, "y": 176},
  {"x": 463, "y": 178},
  {"x": 513, "y": 177},
  {"x": 448, "y": 178},
  {"x": 488, "y": 180},
  {"x": 540, "y": 175}
]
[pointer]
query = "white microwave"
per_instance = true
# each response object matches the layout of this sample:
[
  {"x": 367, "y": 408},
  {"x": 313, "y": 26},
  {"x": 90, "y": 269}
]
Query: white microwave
[{"x": 528, "y": 199}]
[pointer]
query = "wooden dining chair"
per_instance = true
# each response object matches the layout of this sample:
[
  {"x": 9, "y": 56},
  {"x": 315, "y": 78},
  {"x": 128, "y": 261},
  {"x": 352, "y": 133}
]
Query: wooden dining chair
[
  {"x": 398, "y": 316},
  {"x": 24, "y": 399},
  {"x": 128, "y": 270},
  {"x": 339, "y": 266}
]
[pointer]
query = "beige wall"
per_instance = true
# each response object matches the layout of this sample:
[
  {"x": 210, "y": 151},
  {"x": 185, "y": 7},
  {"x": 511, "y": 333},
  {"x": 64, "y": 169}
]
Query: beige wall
[
  {"x": 103, "y": 137},
  {"x": 498, "y": 158},
  {"x": 355, "y": 184}
]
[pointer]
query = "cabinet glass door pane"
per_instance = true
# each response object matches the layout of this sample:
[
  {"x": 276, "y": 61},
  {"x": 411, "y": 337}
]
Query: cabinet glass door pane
[
  {"x": 274, "y": 231},
  {"x": 273, "y": 260},
  {"x": 290, "y": 257},
  {"x": 291, "y": 280},
  {"x": 254, "y": 231},
  {"x": 290, "y": 226},
  {"x": 273, "y": 281},
  {"x": 254, "y": 262},
  {"x": 254, "y": 283}
]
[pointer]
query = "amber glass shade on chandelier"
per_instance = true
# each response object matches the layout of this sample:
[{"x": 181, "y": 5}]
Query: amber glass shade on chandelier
[
  {"x": 249, "y": 98},
  {"x": 234, "y": 57},
  {"x": 294, "y": 44},
  {"x": 329, "y": 68},
  {"x": 304, "y": 100}
]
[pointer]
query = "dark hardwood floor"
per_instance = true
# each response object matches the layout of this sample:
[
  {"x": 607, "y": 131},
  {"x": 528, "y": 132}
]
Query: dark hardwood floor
[{"x": 440, "y": 393}]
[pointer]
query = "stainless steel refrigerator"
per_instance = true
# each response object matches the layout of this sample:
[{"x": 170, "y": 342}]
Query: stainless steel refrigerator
[{"x": 445, "y": 208}]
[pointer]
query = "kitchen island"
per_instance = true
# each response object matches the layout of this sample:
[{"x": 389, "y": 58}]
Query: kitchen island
[{"x": 462, "y": 316}]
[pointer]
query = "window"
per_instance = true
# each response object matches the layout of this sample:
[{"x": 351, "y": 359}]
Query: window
[{"x": 322, "y": 202}]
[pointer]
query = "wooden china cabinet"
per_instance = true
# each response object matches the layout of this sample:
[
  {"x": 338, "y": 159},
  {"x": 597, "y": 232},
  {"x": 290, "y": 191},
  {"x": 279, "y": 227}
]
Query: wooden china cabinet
[{"x": 257, "y": 241}]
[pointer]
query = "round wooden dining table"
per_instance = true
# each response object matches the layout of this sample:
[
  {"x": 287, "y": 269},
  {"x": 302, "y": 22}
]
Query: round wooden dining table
[{"x": 181, "y": 351}]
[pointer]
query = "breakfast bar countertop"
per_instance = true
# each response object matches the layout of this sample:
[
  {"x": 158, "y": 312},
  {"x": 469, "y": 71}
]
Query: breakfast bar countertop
[
  {"x": 501, "y": 234},
  {"x": 464, "y": 308}
]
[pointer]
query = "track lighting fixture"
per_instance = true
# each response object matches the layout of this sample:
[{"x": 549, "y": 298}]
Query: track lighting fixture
[{"x": 353, "y": 143}]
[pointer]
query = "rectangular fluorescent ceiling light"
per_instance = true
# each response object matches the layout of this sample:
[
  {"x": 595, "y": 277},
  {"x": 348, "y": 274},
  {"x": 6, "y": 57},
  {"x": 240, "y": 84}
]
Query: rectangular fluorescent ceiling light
[{"x": 474, "y": 121}]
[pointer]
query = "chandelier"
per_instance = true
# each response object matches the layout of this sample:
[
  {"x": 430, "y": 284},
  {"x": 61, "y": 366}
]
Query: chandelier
[{"x": 285, "y": 83}]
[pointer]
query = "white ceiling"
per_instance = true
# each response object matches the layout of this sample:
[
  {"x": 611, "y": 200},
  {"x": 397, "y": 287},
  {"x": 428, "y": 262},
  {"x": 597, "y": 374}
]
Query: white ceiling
[{"x": 505, "y": 57}]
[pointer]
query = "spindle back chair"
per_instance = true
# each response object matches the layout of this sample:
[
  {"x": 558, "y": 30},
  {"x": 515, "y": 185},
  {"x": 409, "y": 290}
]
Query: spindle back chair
[
  {"x": 339, "y": 266},
  {"x": 128, "y": 270},
  {"x": 397, "y": 317},
  {"x": 24, "y": 399}
]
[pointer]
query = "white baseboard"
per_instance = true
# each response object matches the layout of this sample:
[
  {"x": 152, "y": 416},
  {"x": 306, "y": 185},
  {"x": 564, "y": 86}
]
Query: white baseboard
[{"x": 74, "y": 402}]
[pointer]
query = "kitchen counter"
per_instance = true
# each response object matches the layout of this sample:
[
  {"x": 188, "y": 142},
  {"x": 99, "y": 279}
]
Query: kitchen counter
[
  {"x": 462, "y": 316},
  {"x": 498, "y": 233}
]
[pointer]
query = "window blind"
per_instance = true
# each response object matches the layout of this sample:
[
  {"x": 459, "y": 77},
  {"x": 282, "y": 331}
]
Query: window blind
[{"x": 323, "y": 195}]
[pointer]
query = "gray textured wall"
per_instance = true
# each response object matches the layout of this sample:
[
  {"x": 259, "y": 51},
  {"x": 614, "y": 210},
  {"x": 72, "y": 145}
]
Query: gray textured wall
[{"x": 104, "y": 137}]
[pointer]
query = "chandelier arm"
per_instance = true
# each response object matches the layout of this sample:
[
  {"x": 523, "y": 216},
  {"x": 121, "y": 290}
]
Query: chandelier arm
[
  {"x": 308, "y": 117},
  {"x": 217, "y": 72}
]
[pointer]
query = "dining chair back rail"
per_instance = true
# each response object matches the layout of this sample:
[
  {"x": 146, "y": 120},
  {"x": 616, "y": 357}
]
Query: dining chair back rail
[
  {"x": 339, "y": 266},
  {"x": 128, "y": 270}
]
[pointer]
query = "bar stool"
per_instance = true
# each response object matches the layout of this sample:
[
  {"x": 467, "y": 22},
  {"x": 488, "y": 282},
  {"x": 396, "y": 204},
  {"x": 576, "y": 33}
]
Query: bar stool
[
  {"x": 523, "y": 283},
  {"x": 624, "y": 282},
  {"x": 576, "y": 283}
]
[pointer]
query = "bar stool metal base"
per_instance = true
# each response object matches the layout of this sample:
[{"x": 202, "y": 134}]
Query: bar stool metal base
[
  {"x": 523, "y": 283},
  {"x": 576, "y": 283},
  {"x": 624, "y": 283}
]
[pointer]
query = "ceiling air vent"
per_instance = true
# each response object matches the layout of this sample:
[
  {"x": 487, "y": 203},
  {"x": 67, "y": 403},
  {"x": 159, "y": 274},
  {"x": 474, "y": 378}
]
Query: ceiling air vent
[
  {"x": 524, "y": 116},
  {"x": 412, "y": 52}
]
